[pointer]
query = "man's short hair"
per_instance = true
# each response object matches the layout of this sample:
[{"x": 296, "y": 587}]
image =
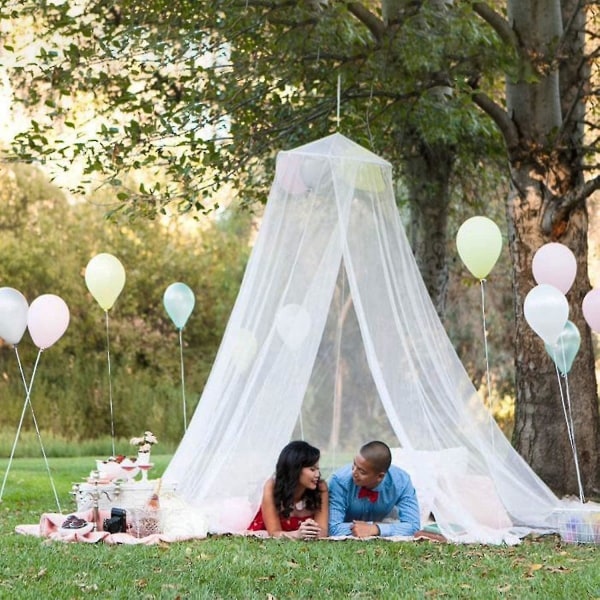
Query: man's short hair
[{"x": 378, "y": 454}]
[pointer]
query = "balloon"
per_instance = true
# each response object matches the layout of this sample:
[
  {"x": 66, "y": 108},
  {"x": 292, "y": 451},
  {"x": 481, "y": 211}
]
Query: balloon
[
  {"x": 479, "y": 243},
  {"x": 47, "y": 320},
  {"x": 179, "y": 303},
  {"x": 556, "y": 265},
  {"x": 244, "y": 349},
  {"x": 591, "y": 309},
  {"x": 546, "y": 310},
  {"x": 293, "y": 324},
  {"x": 566, "y": 347},
  {"x": 105, "y": 278},
  {"x": 13, "y": 315}
]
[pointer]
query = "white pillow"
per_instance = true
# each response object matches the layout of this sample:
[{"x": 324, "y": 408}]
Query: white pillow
[{"x": 425, "y": 468}]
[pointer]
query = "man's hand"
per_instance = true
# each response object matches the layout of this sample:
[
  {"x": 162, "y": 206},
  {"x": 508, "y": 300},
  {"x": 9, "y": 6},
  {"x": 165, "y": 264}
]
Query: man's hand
[{"x": 363, "y": 529}]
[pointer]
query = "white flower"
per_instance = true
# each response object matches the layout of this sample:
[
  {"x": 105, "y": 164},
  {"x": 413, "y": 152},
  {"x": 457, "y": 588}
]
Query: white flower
[{"x": 145, "y": 442}]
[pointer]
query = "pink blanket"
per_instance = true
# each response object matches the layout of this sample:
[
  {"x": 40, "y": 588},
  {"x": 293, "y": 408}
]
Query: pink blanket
[{"x": 50, "y": 527}]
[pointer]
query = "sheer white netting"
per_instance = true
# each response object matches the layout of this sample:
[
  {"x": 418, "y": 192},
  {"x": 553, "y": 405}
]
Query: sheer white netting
[{"x": 334, "y": 339}]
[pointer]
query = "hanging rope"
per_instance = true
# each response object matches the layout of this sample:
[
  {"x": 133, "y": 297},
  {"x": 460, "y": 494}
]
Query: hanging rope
[{"x": 339, "y": 100}]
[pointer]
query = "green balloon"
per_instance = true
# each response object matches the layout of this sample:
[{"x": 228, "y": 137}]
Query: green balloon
[
  {"x": 479, "y": 244},
  {"x": 566, "y": 347}
]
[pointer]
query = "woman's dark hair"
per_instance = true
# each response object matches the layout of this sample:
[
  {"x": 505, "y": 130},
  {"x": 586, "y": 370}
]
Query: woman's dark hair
[{"x": 293, "y": 458}]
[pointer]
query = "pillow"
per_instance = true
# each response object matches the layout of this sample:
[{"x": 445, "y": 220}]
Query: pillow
[
  {"x": 425, "y": 468},
  {"x": 479, "y": 498}
]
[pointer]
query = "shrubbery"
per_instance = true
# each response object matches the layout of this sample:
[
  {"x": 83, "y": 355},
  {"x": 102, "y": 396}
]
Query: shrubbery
[{"x": 45, "y": 245}]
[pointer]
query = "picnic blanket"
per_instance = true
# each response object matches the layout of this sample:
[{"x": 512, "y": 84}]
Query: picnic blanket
[{"x": 50, "y": 526}]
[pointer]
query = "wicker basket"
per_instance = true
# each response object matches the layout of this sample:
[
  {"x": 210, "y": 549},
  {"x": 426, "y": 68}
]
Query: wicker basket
[{"x": 579, "y": 525}]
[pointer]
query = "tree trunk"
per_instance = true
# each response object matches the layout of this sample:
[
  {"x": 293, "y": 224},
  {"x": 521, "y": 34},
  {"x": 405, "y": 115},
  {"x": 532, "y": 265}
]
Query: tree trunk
[
  {"x": 546, "y": 171},
  {"x": 428, "y": 180},
  {"x": 540, "y": 433}
]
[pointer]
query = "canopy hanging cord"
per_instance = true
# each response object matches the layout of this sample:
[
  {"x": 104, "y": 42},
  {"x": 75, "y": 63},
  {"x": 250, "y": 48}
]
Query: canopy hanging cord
[{"x": 339, "y": 99}]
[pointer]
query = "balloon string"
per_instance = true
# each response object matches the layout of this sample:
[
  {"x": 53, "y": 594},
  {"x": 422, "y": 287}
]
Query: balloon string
[
  {"x": 110, "y": 398},
  {"x": 569, "y": 422},
  {"x": 28, "y": 389},
  {"x": 487, "y": 362},
  {"x": 182, "y": 379}
]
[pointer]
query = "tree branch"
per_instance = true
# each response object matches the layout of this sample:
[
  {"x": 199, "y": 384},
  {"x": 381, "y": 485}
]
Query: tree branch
[
  {"x": 498, "y": 23},
  {"x": 555, "y": 212},
  {"x": 373, "y": 23},
  {"x": 501, "y": 118}
]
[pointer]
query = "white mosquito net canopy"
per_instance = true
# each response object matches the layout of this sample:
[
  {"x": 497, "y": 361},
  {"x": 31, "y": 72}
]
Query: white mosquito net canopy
[{"x": 334, "y": 339}]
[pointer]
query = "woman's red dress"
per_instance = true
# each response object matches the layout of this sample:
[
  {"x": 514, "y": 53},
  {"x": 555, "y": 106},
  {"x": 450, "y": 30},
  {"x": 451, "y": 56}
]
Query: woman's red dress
[{"x": 289, "y": 524}]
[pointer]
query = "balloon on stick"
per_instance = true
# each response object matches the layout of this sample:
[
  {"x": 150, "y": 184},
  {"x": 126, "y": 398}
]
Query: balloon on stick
[
  {"x": 546, "y": 310},
  {"x": 105, "y": 279},
  {"x": 13, "y": 315},
  {"x": 591, "y": 309},
  {"x": 179, "y": 303},
  {"x": 47, "y": 320},
  {"x": 479, "y": 243},
  {"x": 566, "y": 347},
  {"x": 555, "y": 265}
]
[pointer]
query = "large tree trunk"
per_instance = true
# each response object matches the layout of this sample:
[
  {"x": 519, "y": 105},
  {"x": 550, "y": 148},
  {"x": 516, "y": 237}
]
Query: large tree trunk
[
  {"x": 428, "y": 180},
  {"x": 545, "y": 173},
  {"x": 540, "y": 428}
]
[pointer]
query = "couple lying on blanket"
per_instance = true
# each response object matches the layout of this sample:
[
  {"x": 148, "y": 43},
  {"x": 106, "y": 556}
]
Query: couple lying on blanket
[{"x": 370, "y": 497}]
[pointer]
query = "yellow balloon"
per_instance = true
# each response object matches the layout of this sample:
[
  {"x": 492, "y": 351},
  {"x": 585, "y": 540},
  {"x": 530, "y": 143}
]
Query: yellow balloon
[
  {"x": 479, "y": 243},
  {"x": 105, "y": 278}
]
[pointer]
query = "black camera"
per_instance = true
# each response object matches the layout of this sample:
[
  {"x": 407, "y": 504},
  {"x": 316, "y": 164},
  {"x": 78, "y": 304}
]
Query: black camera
[{"x": 117, "y": 523}]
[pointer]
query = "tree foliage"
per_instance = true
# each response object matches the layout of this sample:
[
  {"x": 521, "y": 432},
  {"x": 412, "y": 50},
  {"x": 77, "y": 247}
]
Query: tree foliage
[
  {"x": 46, "y": 250},
  {"x": 198, "y": 94}
]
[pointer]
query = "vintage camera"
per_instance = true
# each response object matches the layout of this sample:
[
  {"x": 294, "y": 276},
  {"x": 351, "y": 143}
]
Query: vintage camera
[{"x": 117, "y": 523}]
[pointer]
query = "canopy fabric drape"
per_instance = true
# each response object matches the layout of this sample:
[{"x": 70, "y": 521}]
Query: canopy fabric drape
[{"x": 334, "y": 338}]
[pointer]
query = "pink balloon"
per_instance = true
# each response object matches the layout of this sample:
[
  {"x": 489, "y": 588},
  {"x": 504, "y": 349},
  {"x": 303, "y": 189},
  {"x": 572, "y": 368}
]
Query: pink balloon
[
  {"x": 591, "y": 309},
  {"x": 555, "y": 265},
  {"x": 47, "y": 320}
]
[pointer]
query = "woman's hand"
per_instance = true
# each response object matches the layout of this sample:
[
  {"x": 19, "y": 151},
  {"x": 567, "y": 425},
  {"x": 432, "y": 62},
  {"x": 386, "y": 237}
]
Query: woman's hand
[{"x": 309, "y": 530}]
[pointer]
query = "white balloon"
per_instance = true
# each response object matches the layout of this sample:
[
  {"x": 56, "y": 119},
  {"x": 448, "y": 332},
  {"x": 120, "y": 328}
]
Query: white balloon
[
  {"x": 546, "y": 310},
  {"x": 293, "y": 324},
  {"x": 13, "y": 315},
  {"x": 47, "y": 320},
  {"x": 244, "y": 349}
]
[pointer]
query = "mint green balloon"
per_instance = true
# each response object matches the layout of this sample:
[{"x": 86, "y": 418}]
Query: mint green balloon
[
  {"x": 179, "y": 303},
  {"x": 566, "y": 347}
]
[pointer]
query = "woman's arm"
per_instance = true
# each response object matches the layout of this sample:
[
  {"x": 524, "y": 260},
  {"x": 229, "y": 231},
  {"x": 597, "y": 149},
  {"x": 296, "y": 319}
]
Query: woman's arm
[
  {"x": 322, "y": 515},
  {"x": 269, "y": 510}
]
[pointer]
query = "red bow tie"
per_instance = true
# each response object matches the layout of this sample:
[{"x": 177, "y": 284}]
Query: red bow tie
[{"x": 367, "y": 493}]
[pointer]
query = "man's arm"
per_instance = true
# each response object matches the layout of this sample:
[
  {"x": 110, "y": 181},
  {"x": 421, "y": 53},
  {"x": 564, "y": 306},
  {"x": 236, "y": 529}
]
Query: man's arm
[
  {"x": 337, "y": 508},
  {"x": 409, "y": 518}
]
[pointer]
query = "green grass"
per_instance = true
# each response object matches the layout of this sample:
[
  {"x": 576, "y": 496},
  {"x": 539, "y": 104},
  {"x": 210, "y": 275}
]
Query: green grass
[{"x": 238, "y": 567}]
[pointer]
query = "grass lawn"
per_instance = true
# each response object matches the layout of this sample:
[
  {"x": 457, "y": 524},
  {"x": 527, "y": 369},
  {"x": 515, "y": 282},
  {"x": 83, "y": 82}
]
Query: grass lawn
[{"x": 237, "y": 567}]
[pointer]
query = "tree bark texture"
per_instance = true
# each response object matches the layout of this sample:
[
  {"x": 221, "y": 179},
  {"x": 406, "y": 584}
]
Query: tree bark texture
[{"x": 545, "y": 170}]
